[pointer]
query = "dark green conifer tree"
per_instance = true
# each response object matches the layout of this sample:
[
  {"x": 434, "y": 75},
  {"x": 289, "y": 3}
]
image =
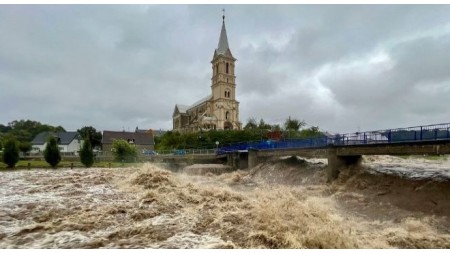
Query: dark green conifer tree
[{"x": 51, "y": 152}]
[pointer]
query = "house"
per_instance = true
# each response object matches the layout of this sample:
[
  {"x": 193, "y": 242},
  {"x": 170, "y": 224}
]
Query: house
[
  {"x": 142, "y": 140},
  {"x": 220, "y": 109},
  {"x": 68, "y": 142}
]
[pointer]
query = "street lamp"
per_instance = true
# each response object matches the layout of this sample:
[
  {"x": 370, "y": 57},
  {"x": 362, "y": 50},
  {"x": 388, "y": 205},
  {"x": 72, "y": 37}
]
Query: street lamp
[{"x": 217, "y": 145}]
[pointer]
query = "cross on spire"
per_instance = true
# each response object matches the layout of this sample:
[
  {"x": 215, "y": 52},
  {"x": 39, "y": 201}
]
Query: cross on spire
[{"x": 223, "y": 16}]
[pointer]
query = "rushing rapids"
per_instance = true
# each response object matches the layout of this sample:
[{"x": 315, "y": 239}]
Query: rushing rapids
[{"x": 390, "y": 202}]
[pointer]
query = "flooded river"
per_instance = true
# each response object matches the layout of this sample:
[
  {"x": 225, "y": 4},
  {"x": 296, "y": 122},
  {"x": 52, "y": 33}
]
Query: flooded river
[{"x": 389, "y": 202}]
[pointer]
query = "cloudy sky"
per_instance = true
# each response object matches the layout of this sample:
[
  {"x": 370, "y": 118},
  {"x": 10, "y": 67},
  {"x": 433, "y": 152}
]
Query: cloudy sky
[{"x": 340, "y": 67}]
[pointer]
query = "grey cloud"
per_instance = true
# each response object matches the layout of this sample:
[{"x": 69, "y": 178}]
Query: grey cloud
[{"x": 114, "y": 66}]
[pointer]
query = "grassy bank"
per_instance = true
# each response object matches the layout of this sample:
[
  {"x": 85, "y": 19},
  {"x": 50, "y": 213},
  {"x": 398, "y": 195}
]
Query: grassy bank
[{"x": 66, "y": 164}]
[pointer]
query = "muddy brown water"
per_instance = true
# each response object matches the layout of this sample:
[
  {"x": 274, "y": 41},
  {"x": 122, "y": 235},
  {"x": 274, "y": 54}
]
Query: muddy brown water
[{"x": 389, "y": 202}]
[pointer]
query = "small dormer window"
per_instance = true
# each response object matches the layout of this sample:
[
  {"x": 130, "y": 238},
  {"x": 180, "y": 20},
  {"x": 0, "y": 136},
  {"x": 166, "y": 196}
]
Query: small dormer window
[{"x": 131, "y": 141}]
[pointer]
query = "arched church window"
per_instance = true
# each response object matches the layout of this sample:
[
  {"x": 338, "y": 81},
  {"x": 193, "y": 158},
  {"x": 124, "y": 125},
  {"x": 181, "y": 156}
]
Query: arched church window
[
  {"x": 227, "y": 67},
  {"x": 227, "y": 114},
  {"x": 217, "y": 69},
  {"x": 227, "y": 93}
]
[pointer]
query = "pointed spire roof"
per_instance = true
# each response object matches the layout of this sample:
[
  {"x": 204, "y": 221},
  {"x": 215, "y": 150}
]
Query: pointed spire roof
[{"x": 223, "y": 47}]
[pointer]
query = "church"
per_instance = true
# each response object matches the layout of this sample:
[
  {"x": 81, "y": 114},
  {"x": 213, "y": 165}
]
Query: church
[{"x": 220, "y": 109}]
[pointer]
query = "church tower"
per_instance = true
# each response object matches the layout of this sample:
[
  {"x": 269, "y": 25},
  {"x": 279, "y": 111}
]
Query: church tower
[
  {"x": 220, "y": 110},
  {"x": 223, "y": 84}
]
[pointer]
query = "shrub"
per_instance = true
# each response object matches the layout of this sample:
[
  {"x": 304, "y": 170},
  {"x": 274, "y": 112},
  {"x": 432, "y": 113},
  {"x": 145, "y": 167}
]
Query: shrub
[
  {"x": 123, "y": 151},
  {"x": 51, "y": 152},
  {"x": 11, "y": 153},
  {"x": 86, "y": 154}
]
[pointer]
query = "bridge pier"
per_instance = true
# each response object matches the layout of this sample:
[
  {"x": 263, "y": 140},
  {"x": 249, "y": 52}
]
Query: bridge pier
[
  {"x": 237, "y": 160},
  {"x": 253, "y": 159},
  {"x": 256, "y": 157},
  {"x": 337, "y": 163}
]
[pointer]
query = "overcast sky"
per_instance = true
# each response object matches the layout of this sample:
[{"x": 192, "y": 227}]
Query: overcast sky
[{"x": 340, "y": 67}]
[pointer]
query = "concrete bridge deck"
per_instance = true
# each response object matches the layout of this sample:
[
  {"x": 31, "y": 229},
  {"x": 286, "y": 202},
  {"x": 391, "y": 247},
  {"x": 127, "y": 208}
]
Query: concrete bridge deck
[
  {"x": 339, "y": 157},
  {"x": 344, "y": 150}
]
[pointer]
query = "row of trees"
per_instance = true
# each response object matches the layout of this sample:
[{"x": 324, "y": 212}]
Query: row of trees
[
  {"x": 23, "y": 131},
  {"x": 123, "y": 152},
  {"x": 253, "y": 130},
  {"x": 52, "y": 155},
  {"x": 289, "y": 125}
]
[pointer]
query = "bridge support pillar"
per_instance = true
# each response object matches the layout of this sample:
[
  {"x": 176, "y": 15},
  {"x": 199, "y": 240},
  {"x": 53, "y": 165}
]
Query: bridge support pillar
[
  {"x": 230, "y": 159},
  {"x": 253, "y": 159},
  {"x": 337, "y": 163},
  {"x": 237, "y": 160}
]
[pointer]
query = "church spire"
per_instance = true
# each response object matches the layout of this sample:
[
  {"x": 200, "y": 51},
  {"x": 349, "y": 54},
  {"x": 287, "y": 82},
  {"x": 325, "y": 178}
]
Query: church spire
[{"x": 223, "y": 47}]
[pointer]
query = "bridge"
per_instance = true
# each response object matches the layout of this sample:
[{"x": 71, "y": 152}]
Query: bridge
[{"x": 346, "y": 149}]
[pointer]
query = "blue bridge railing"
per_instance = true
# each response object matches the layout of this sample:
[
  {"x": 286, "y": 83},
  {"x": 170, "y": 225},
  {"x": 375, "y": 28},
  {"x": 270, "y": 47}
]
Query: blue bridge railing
[{"x": 398, "y": 135}]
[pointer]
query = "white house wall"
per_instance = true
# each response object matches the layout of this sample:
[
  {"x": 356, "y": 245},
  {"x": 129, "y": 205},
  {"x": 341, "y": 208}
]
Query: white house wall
[
  {"x": 74, "y": 146},
  {"x": 40, "y": 147}
]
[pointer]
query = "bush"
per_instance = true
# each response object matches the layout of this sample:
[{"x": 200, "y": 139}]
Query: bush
[
  {"x": 86, "y": 154},
  {"x": 123, "y": 151},
  {"x": 51, "y": 152},
  {"x": 11, "y": 153}
]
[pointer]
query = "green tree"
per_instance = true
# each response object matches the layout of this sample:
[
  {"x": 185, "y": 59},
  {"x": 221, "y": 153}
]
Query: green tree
[
  {"x": 25, "y": 130},
  {"x": 90, "y": 133},
  {"x": 310, "y": 132},
  {"x": 123, "y": 151},
  {"x": 4, "y": 129},
  {"x": 51, "y": 152},
  {"x": 86, "y": 154},
  {"x": 205, "y": 140},
  {"x": 251, "y": 124},
  {"x": 263, "y": 125},
  {"x": 276, "y": 127},
  {"x": 293, "y": 124},
  {"x": 11, "y": 153},
  {"x": 25, "y": 147}
]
